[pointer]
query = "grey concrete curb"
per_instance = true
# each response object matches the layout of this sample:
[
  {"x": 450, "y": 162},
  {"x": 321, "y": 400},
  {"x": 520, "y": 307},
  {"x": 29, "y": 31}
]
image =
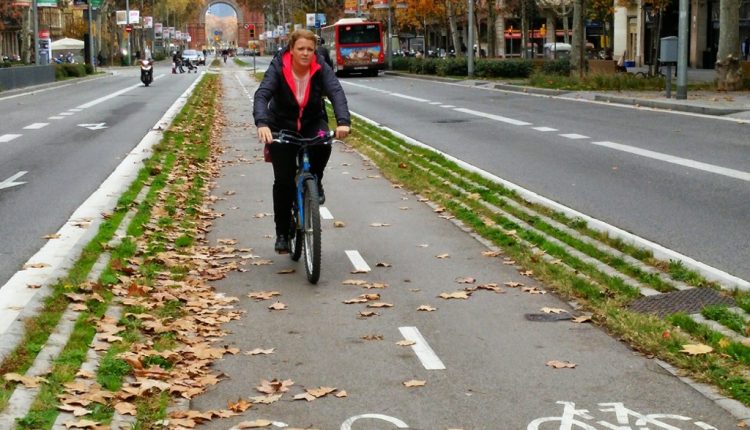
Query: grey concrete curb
[{"x": 705, "y": 110}]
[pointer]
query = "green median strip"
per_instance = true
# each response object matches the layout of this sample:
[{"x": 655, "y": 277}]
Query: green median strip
[{"x": 532, "y": 243}]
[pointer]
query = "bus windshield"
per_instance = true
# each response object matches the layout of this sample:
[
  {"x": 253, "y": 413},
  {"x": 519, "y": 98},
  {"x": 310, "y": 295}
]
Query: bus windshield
[{"x": 352, "y": 34}]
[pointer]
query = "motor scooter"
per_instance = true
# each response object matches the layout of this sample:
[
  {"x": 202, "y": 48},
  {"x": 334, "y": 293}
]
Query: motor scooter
[{"x": 147, "y": 72}]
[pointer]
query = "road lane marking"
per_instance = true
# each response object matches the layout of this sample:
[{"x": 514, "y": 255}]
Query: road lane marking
[
  {"x": 55, "y": 117},
  {"x": 75, "y": 110},
  {"x": 543, "y": 129},
  {"x": 10, "y": 182},
  {"x": 347, "y": 425},
  {"x": 66, "y": 113},
  {"x": 34, "y": 92},
  {"x": 404, "y": 96},
  {"x": 325, "y": 213},
  {"x": 698, "y": 165},
  {"x": 436, "y": 103},
  {"x": 447, "y": 106},
  {"x": 36, "y": 126},
  {"x": 574, "y": 136},
  {"x": 113, "y": 95},
  {"x": 426, "y": 355},
  {"x": 492, "y": 117},
  {"x": 97, "y": 126},
  {"x": 8, "y": 137},
  {"x": 359, "y": 263}
]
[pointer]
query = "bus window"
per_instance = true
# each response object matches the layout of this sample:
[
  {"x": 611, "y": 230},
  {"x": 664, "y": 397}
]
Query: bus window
[{"x": 352, "y": 34}]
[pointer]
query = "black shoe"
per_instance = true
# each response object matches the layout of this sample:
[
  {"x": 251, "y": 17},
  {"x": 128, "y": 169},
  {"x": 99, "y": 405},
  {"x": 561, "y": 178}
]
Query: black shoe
[
  {"x": 282, "y": 244},
  {"x": 321, "y": 193}
]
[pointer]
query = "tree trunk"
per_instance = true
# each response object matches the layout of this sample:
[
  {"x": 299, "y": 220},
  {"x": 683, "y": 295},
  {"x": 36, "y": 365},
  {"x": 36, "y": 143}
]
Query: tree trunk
[
  {"x": 500, "y": 34},
  {"x": 491, "y": 32},
  {"x": 453, "y": 26},
  {"x": 728, "y": 69},
  {"x": 566, "y": 25},
  {"x": 477, "y": 28},
  {"x": 524, "y": 27},
  {"x": 551, "y": 29},
  {"x": 25, "y": 31},
  {"x": 576, "y": 53}
]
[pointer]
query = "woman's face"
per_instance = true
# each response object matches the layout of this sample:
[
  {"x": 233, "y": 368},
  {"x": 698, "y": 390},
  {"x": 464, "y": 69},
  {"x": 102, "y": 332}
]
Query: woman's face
[{"x": 302, "y": 52}]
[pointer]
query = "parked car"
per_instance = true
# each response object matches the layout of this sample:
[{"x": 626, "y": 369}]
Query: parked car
[{"x": 196, "y": 57}]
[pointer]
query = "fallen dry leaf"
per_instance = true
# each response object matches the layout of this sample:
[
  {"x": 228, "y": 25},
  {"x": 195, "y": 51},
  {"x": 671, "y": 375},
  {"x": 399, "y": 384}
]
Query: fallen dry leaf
[
  {"x": 278, "y": 306},
  {"x": 533, "y": 290},
  {"x": 254, "y": 424},
  {"x": 357, "y": 282},
  {"x": 77, "y": 411},
  {"x": 33, "y": 286},
  {"x": 582, "y": 319},
  {"x": 513, "y": 284},
  {"x": 26, "y": 381},
  {"x": 380, "y": 305},
  {"x": 274, "y": 386},
  {"x": 406, "y": 342},
  {"x": 547, "y": 310},
  {"x": 342, "y": 394},
  {"x": 527, "y": 272},
  {"x": 455, "y": 295},
  {"x": 442, "y": 256},
  {"x": 81, "y": 424},
  {"x": 556, "y": 364},
  {"x": 466, "y": 280},
  {"x": 35, "y": 265},
  {"x": 263, "y": 295},
  {"x": 51, "y": 236},
  {"x": 383, "y": 264},
  {"x": 367, "y": 314},
  {"x": 490, "y": 287},
  {"x": 286, "y": 271},
  {"x": 696, "y": 349},
  {"x": 304, "y": 396},
  {"x": 414, "y": 383},
  {"x": 320, "y": 391},
  {"x": 241, "y": 405},
  {"x": 491, "y": 253},
  {"x": 380, "y": 224},
  {"x": 372, "y": 337},
  {"x": 125, "y": 408},
  {"x": 339, "y": 224},
  {"x": 265, "y": 400},
  {"x": 426, "y": 308}
]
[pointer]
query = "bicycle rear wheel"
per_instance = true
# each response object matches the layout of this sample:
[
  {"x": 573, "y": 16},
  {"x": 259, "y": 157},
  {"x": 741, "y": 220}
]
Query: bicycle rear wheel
[
  {"x": 311, "y": 230},
  {"x": 295, "y": 237}
]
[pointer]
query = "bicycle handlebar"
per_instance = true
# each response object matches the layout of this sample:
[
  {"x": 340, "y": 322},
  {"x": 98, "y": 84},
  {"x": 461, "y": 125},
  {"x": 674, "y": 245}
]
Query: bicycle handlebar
[{"x": 293, "y": 139}]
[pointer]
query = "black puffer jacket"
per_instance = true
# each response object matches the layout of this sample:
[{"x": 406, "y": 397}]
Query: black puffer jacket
[{"x": 276, "y": 106}]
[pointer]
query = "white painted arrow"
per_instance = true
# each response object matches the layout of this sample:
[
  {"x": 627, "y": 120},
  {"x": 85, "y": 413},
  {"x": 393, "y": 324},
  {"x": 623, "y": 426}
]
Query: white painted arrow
[
  {"x": 10, "y": 181},
  {"x": 99, "y": 126}
]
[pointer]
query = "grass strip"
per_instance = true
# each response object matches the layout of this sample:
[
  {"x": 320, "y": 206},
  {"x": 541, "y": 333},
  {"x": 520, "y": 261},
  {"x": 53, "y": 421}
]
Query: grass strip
[
  {"x": 727, "y": 318},
  {"x": 606, "y": 298}
]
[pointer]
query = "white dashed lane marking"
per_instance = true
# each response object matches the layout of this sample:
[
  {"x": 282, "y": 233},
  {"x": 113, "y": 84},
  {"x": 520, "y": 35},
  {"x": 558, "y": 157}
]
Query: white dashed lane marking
[
  {"x": 56, "y": 117},
  {"x": 325, "y": 213},
  {"x": 66, "y": 113},
  {"x": 574, "y": 136},
  {"x": 8, "y": 137},
  {"x": 36, "y": 126},
  {"x": 359, "y": 263},
  {"x": 404, "y": 96},
  {"x": 492, "y": 117},
  {"x": 426, "y": 355},
  {"x": 544, "y": 129},
  {"x": 737, "y": 174},
  {"x": 447, "y": 106}
]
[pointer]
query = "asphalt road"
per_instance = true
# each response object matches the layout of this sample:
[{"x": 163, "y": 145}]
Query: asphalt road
[
  {"x": 68, "y": 140},
  {"x": 548, "y": 145},
  {"x": 488, "y": 369}
]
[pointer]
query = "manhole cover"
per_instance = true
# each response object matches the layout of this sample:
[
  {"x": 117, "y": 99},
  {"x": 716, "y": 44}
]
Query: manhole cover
[
  {"x": 548, "y": 317},
  {"x": 450, "y": 121},
  {"x": 689, "y": 301}
]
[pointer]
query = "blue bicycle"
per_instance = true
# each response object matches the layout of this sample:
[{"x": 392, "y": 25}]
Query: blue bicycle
[{"x": 304, "y": 232}]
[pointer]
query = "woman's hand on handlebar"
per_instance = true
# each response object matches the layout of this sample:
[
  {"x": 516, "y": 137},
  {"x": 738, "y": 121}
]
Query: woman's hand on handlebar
[
  {"x": 342, "y": 131},
  {"x": 264, "y": 135}
]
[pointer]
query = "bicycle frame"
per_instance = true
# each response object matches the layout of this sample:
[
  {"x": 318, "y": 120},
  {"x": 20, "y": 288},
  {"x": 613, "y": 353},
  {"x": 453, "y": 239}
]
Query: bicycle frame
[{"x": 303, "y": 173}]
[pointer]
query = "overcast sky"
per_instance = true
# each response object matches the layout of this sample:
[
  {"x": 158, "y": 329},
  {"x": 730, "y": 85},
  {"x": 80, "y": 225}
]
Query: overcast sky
[{"x": 222, "y": 9}]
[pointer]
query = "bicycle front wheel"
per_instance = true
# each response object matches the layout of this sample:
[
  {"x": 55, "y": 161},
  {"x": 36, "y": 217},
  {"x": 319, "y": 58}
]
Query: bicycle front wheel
[
  {"x": 295, "y": 236},
  {"x": 311, "y": 230}
]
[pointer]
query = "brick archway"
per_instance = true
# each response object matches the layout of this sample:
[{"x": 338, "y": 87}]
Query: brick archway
[{"x": 245, "y": 17}]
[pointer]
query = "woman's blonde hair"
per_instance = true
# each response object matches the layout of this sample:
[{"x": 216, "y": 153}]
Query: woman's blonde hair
[{"x": 301, "y": 34}]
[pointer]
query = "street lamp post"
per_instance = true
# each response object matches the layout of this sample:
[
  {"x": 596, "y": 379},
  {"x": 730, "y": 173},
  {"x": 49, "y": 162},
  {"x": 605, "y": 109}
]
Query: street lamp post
[
  {"x": 35, "y": 18},
  {"x": 470, "y": 50},
  {"x": 127, "y": 25},
  {"x": 390, "y": 37}
]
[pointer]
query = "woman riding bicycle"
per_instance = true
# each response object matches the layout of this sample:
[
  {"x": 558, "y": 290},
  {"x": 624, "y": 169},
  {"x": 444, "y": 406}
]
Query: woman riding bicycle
[{"x": 291, "y": 98}]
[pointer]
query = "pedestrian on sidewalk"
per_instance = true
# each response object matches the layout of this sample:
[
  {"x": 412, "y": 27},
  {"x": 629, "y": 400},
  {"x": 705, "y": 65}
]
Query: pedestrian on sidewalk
[{"x": 291, "y": 98}]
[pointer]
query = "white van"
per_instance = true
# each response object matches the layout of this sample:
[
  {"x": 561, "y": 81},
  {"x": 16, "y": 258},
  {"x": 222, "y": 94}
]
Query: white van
[{"x": 557, "y": 50}]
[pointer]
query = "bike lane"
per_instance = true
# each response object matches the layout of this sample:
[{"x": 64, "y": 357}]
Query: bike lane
[{"x": 484, "y": 365}]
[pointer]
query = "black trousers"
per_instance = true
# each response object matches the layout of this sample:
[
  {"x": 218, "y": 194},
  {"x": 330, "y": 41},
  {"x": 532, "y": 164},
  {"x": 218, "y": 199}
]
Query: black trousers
[{"x": 284, "y": 159}]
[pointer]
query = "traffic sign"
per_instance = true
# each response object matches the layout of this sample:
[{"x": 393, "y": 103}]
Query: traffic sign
[{"x": 129, "y": 28}]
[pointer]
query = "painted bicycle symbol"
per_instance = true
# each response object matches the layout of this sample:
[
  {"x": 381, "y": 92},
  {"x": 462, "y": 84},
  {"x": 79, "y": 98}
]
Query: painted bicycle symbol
[{"x": 626, "y": 419}]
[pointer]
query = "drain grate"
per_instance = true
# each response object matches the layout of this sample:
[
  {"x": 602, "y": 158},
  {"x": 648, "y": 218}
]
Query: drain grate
[
  {"x": 548, "y": 317},
  {"x": 450, "y": 121},
  {"x": 689, "y": 301}
]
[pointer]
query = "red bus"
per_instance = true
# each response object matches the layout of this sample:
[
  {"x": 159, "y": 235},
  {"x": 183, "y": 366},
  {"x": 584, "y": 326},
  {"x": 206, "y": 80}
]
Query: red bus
[{"x": 355, "y": 45}]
